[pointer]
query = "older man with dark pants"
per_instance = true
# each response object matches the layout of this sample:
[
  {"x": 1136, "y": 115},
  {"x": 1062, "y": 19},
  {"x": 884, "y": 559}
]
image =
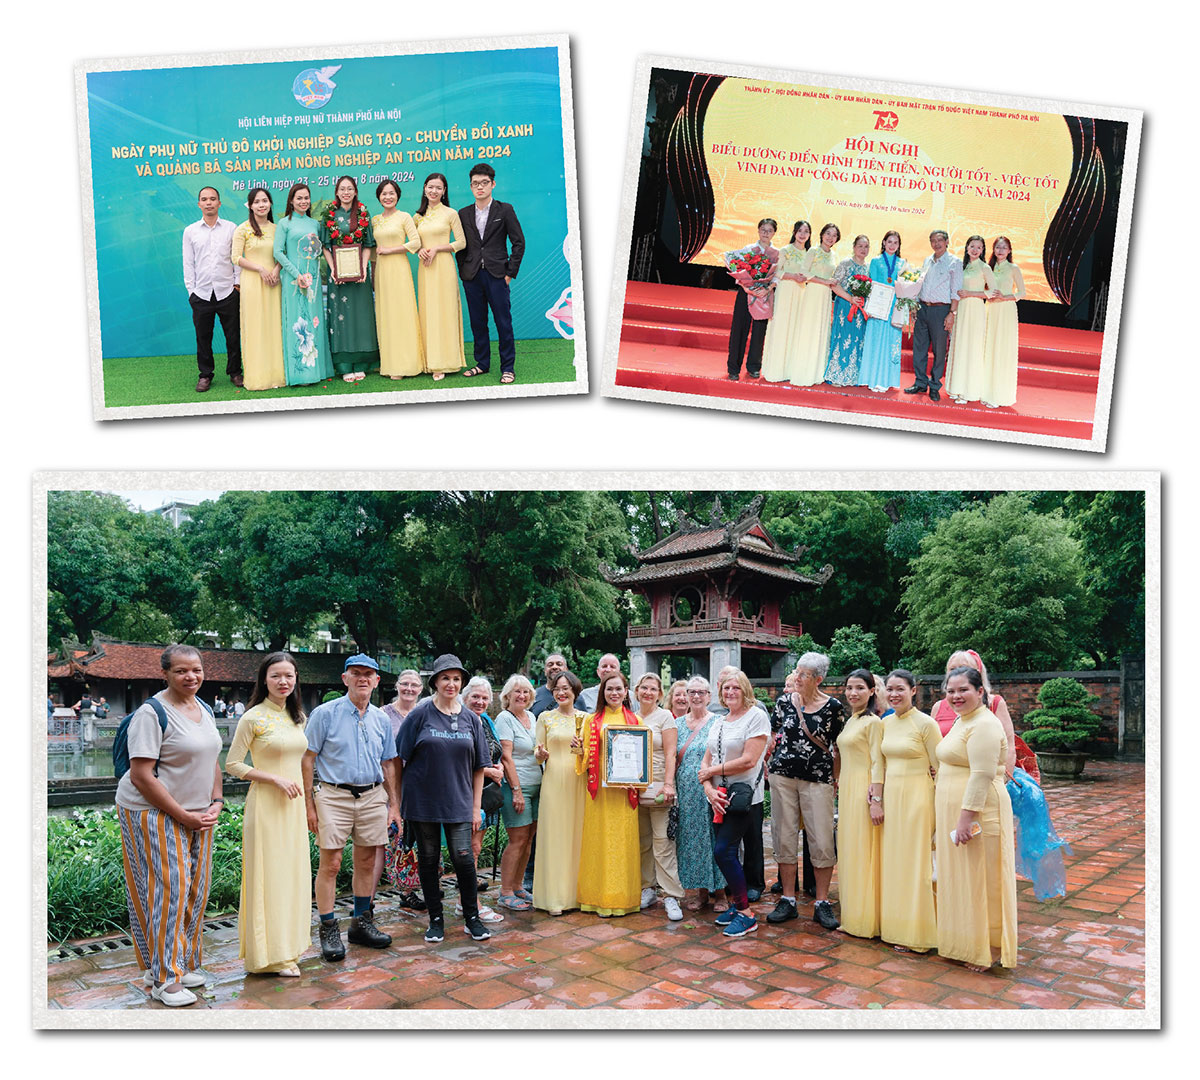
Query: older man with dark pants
[
  {"x": 941, "y": 280},
  {"x": 352, "y": 752}
]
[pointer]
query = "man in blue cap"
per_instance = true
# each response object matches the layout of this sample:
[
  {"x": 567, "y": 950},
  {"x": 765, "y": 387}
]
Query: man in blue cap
[{"x": 351, "y": 751}]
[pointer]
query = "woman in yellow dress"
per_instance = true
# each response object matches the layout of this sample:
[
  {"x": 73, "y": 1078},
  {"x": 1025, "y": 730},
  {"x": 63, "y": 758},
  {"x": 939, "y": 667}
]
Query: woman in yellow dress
[
  {"x": 261, "y": 322},
  {"x": 908, "y": 914},
  {"x": 275, "y": 914},
  {"x": 783, "y": 330},
  {"x": 610, "y": 871},
  {"x": 1000, "y": 339},
  {"x": 860, "y": 808},
  {"x": 396, "y": 318},
  {"x": 437, "y": 279},
  {"x": 560, "y": 817},
  {"x": 977, "y": 878},
  {"x": 808, "y": 353},
  {"x": 967, "y": 375}
]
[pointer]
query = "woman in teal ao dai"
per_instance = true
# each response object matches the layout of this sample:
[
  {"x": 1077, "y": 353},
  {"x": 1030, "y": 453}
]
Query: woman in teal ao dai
[
  {"x": 880, "y": 365},
  {"x": 298, "y": 251},
  {"x": 353, "y": 343},
  {"x": 694, "y": 842},
  {"x": 846, "y": 331}
]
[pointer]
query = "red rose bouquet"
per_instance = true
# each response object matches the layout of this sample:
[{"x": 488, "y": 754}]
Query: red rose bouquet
[
  {"x": 859, "y": 287},
  {"x": 753, "y": 271}
]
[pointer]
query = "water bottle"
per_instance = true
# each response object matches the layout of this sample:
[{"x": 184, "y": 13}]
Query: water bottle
[{"x": 718, "y": 814}]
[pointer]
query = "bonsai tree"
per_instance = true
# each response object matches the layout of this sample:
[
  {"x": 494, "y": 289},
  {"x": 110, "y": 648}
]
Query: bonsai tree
[{"x": 1065, "y": 720}]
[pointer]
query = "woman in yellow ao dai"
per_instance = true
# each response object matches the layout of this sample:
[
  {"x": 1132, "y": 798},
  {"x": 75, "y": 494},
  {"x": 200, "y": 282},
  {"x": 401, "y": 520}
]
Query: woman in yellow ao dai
[
  {"x": 908, "y": 911},
  {"x": 440, "y": 303},
  {"x": 968, "y": 378},
  {"x": 397, "y": 323},
  {"x": 977, "y": 878},
  {"x": 610, "y": 871},
  {"x": 860, "y": 809},
  {"x": 783, "y": 331}
]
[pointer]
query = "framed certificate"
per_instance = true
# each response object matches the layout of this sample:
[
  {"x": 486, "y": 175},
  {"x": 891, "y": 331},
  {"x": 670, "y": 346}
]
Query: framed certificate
[
  {"x": 627, "y": 760},
  {"x": 347, "y": 264},
  {"x": 879, "y": 301}
]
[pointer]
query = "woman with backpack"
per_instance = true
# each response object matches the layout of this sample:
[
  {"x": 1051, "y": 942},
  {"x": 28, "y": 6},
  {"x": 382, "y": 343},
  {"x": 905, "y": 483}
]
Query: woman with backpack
[{"x": 167, "y": 803}]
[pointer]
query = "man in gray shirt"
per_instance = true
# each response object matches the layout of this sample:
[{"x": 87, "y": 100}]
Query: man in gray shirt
[
  {"x": 941, "y": 280},
  {"x": 608, "y": 665}
]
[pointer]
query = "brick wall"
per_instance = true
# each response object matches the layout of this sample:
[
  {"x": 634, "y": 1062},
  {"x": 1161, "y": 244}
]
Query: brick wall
[{"x": 1020, "y": 694}]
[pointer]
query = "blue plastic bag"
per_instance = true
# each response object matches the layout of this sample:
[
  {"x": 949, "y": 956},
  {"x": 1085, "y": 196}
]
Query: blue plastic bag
[{"x": 1039, "y": 847}]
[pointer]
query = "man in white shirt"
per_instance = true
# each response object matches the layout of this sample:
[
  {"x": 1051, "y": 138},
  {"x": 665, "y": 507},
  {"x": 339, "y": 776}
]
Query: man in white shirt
[
  {"x": 211, "y": 280},
  {"x": 608, "y": 665}
]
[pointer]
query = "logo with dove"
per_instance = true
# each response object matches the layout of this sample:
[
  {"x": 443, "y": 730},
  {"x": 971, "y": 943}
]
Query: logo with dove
[{"x": 313, "y": 87}]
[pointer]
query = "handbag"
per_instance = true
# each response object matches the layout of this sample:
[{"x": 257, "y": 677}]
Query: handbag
[
  {"x": 740, "y": 794},
  {"x": 492, "y": 798},
  {"x": 400, "y": 862}
]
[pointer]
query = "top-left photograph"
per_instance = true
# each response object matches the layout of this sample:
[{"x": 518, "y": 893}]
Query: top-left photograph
[{"x": 390, "y": 224}]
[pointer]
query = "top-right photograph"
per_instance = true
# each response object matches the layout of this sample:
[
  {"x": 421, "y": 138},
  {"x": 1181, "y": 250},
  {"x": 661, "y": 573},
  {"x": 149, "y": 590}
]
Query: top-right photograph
[{"x": 873, "y": 253}]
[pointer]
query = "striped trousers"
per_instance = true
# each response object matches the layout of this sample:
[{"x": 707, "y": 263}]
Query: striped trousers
[{"x": 168, "y": 870}]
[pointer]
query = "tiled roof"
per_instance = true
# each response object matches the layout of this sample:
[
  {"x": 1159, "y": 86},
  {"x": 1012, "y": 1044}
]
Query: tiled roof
[
  {"x": 718, "y": 560},
  {"x": 129, "y": 661},
  {"x": 746, "y": 532}
]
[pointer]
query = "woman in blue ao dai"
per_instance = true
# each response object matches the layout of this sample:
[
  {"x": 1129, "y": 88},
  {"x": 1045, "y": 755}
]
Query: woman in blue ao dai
[
  {"x": 299, "y": 254},
  {"x": 849, "y": 323},
  {"x": 880, "y": 365}
]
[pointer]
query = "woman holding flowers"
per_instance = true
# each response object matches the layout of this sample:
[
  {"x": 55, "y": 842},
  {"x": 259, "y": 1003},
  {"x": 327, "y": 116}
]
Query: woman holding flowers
[
  {"x": 439, "y": 303},
  {"x": 784, "y": 328},
  {"x": 610, "y": 873},
  {"x": 254, "y": 250},
  {"x": 968, "y": 376},
  {"x": 396, "y": 320},
  {"x": 809, "y": 354},
  {"x": 851, "y": 286},
  {"x": 275, "y": 913},
  {"x": 1000, "y": 338},
  {"x": 879, "y": 367},
  {"x": 298, "y": 252},
  {"x": 352, "y": 339}
]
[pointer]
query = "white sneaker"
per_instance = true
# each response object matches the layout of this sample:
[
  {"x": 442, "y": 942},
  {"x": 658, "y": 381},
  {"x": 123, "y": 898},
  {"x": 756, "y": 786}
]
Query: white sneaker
[
  {"x": 649, "y": 896},
  {"x": 172, "y": 998},
  {"x": 190, "y": 978},
  {"x": 674, "y": 912},
  {"x": 486, "y": 914}
]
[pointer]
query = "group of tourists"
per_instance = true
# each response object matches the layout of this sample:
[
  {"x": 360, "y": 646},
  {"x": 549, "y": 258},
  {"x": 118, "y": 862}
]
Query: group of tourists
[
  {"x": 911, "y": 789},
  {"x": 262, "y": 279},
  {"x": 806, "y": 321}
]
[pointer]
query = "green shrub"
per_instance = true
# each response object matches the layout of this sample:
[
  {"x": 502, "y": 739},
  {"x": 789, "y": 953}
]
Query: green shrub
[
  {"x": 85, "y": 874},
  {"x": 1065, "y": 720}
]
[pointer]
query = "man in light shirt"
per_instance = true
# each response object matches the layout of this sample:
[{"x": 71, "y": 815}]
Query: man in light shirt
[
  {"x": 211, "y": 280},
  {"x": 608, "y": 665},
  {"x": 941, "y": 280}
]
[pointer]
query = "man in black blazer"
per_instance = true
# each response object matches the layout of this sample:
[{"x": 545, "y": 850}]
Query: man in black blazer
[{"x": 486, "y": 268}]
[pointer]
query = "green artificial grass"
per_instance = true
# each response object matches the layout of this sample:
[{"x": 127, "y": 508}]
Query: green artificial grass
[{"x": 171, "y": 380}]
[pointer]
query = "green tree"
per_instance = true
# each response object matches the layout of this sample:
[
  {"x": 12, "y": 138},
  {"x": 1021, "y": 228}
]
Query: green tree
[
  {"x": 1002, "y": 579},
  {"x": 114, "y": 570},
  {"x": 492, "y": 567},
  {"x": 1111, "y": 529},
  {"x": 847, "y": 530},
  {"x": 262, "y": 564}
]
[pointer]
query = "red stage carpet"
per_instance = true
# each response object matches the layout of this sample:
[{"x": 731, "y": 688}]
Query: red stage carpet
[{"x": 676, "y": 338}]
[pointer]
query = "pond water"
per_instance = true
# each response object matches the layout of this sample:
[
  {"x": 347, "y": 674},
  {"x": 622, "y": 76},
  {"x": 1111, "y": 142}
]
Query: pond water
[{"x": 86, "y": 764}]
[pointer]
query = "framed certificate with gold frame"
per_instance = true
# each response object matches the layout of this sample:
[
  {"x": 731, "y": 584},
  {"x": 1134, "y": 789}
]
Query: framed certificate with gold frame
[
  {"x": 627, "y": 760},
  {"x": 347, "y": 264}
]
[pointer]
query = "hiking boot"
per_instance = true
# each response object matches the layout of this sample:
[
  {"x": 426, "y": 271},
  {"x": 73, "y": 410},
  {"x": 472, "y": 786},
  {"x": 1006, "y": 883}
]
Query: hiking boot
[
  {"x": 436, "y": 931},
  {"x": 784, "y": 910},
  {"x": 474, "y": 926},
  {"x": 363, "y": 931},
  {"x": 331, "y": 941},
  {"x": 823, "y": 914}
]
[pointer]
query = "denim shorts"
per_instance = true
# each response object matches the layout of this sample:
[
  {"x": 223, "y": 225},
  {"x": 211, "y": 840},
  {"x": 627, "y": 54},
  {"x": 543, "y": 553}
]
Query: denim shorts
[{"x": 511, "y": 818}]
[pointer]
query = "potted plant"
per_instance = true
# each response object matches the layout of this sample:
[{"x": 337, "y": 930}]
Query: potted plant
[{"x": 1058, "y": 730}]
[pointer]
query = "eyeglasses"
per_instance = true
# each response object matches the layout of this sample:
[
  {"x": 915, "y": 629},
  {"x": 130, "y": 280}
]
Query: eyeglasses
[
  {"x": 480, "y": 183},
  {"x": 697, "y": 693}
]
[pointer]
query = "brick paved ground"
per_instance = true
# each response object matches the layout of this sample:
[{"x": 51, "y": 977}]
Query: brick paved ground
[{"x": 1084, "y": 952}]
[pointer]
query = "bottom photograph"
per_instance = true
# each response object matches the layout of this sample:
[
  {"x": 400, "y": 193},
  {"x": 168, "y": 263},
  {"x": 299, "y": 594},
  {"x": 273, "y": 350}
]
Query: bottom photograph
[{"x": 779, "y": 745}]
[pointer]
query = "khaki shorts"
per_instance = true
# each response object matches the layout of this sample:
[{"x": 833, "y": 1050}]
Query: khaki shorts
[
  {"x": 340, "y": 815},
  {"x": 802, "y": 804}
]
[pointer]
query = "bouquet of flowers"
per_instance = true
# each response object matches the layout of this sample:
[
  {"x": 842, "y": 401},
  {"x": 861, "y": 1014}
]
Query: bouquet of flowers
[
  {"x": 859, "y": 287},
  {"x": 907, "y": 289},
  {"x": 752, "y": 270}
]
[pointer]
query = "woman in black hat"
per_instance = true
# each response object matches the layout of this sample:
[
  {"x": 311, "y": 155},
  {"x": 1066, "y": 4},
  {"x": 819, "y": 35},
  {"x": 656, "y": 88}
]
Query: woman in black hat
[{"x": 443, "y": 752}]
